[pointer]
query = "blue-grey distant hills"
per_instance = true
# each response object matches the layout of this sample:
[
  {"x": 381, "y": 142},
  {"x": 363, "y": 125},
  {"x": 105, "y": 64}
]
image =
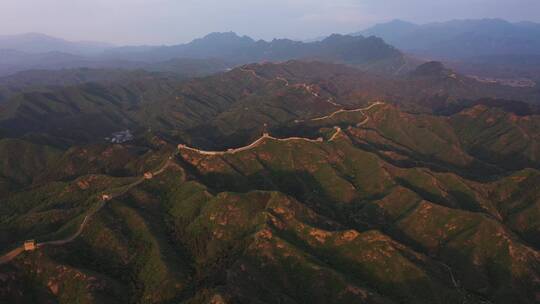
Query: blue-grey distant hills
[
  {"x": 41, "y": 43},
  {"x": 39, "y": 51},
  {"x": 458, "y": 39},
  {"x": 367, "y": 52},
  {"x": 35, "y": 51}
]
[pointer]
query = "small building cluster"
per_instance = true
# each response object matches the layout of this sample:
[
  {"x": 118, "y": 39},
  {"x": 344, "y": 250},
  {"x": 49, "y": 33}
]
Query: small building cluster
[{"x": 120, "y": 137}]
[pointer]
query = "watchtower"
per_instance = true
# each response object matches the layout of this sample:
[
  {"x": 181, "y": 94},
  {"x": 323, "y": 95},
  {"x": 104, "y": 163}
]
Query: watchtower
[
  {"x": 30, "y": 245},
  {"x": 265, "y": 132}
]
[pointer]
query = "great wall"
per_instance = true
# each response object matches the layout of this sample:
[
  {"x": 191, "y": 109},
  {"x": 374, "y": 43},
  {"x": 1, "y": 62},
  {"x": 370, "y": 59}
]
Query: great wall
[
  {"x": 345, "y": 111},
  {"x": 267, "y": 136},
  {"x": 308, "y": 88},
  {"x": 104, "y": 197}
]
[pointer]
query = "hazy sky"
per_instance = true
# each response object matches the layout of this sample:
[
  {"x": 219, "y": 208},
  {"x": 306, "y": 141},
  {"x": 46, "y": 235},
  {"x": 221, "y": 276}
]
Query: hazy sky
[{"x": 174, "y": 21}]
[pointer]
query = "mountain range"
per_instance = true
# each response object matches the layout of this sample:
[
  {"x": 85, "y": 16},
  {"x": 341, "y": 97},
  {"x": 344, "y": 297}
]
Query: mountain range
[
  {"x": 489, "y": 48},
  {"x": 207, "y": 111},
  {"x": 322, "y": 183},
  {"x": 483, "y": 47},
  {"x": 368, "y": 53},
  {"x": 243, "y": 49},
  {"x": 460, "y": 39},
  {"x": 229, "y": 170},
  {"x": 41, "y": 43}
]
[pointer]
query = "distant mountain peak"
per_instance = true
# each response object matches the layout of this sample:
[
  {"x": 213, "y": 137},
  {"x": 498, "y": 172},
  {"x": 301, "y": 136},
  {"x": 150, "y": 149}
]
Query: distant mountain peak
[
  {"x": 35, "y": 35},
  {"x": 401, "y": 22},
  {"x": 42, "y": 43},
  {"x": 225, "y": 36},
  {"x": 395, "y": 24},
  {"x": 460, "y": 38},
  {"x": 371, "y": 52},
  {"x": 432, "y": 69},
  {"x": 335, "y": 37},
  {"x": 229, "y": 34}
]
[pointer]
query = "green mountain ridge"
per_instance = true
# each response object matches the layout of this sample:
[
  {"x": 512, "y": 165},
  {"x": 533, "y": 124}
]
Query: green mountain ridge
[
  {"x": 229, "y": 109},
  {"x": 369, "y": 189}
]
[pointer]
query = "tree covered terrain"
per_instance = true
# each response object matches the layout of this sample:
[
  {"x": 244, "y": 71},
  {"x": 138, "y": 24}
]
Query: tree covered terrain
[{"x": 416, "y": 187}]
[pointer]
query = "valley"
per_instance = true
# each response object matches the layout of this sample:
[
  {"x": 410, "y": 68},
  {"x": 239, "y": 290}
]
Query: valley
[
  {"x": 345, "y": 192},
  {"x": 234, "y": 170},
  {"x": 103, "y": 198}
]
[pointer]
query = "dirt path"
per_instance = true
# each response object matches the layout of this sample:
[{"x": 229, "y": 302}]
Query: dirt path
[
  {"x": 363, "y": 122},
  {"x": 400, "y": 69},
  {"x": 307, "y": 87},
  {"x": 284, "y": 80},
  {"x": 332, "y": 102},
  {"x": 252, "y": 72}
]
